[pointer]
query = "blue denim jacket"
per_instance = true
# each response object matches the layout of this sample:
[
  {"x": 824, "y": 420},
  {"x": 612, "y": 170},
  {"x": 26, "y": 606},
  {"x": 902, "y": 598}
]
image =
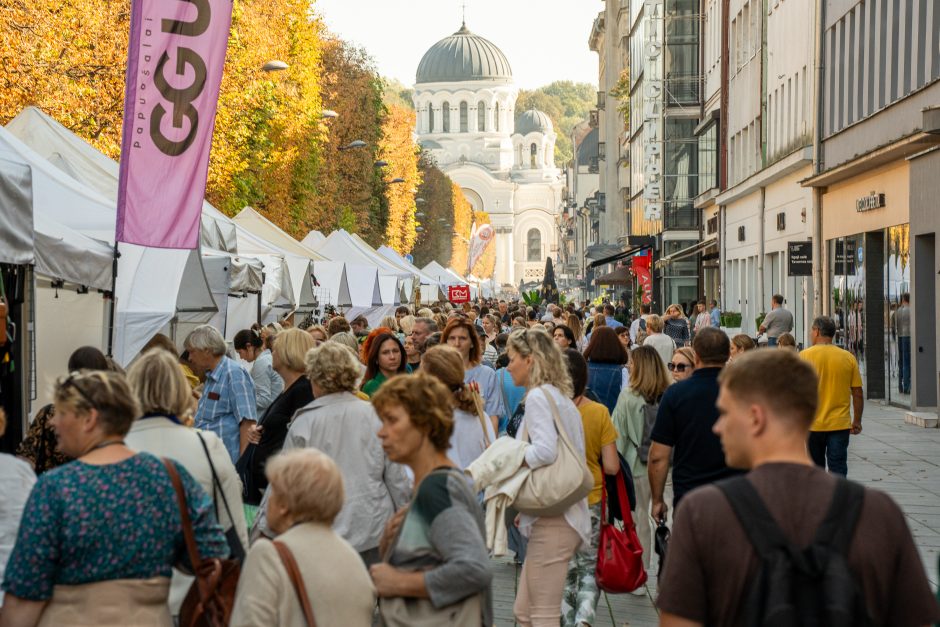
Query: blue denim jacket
[{"x": 605, "y": 381}]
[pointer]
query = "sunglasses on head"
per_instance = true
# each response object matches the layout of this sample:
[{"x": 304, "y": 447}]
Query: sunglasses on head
[
  {"x": 677, "y": 367},
  {"x": 71, "y": 381}
]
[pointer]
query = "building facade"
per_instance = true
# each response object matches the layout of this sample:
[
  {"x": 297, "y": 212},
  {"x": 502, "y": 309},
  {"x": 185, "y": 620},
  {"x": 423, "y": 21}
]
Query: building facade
[
  {"x": 465, "y": 102},
  {"x": 878, "y": 132}
]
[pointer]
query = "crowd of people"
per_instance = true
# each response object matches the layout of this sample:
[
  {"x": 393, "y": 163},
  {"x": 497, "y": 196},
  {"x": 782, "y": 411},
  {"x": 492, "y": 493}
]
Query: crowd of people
[{"x": 383, "y": 466}]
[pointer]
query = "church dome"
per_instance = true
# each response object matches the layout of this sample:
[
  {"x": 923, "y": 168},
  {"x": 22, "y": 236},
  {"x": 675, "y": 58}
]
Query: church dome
[
  {"x": 463, "y": 57},
  {"x": 534, "y": 121}
]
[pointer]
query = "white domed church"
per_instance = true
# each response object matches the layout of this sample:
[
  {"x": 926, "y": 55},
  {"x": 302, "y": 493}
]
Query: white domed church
[{"x": 465, "y": 101}]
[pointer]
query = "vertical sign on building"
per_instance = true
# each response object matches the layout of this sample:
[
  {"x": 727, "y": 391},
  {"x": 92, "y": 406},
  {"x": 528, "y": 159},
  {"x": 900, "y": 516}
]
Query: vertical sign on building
[
  {"x": 653, "y": 110},
  {"x": 174, "y": 70}
]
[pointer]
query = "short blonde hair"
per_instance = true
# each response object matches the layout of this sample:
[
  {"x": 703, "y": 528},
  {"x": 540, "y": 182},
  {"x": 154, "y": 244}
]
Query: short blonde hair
[
  {"x": 549, "y": 365},
  {"x": 407, "y": 324},
  {"x": 333, "y": 367},
  {"x": 678, "y": 308},
  {"x": 648, "y": 375},
  {"x": 309, "y": 484},
  {"x": 347, "y": 339},
  {"x": 101, "y": 390},
  {"x": 389, "y": 322},
  {"x": 318, "y": 328},
  {"x": 654, "y": 323},
  {"x": 291, "y": 347},
  {"x": 157, "y": 381}
]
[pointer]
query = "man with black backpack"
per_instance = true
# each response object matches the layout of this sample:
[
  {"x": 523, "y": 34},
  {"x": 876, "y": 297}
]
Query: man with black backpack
[{"x": 787, "y": 544}]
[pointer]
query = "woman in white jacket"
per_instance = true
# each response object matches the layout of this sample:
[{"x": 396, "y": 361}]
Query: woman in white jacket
[
  {"x": 165, "y": 397},
  {"x": 536, "y": 362}
]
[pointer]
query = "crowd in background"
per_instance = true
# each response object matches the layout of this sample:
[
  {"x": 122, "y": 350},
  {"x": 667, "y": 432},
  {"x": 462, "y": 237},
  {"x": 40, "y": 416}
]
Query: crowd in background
[{"x": 351, "y": 444}]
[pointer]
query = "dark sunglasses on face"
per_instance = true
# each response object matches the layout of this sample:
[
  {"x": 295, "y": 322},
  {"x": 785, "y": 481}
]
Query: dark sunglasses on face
[{"x": 677, "y": 367}]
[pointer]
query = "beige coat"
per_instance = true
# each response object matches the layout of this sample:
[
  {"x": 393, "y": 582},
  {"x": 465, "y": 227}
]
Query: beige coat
[{"x": 337, "y": 582}]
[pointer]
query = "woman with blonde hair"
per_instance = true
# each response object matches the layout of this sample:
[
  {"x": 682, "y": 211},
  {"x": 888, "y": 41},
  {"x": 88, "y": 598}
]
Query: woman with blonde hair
[
  {"x": 391, "y": 323},
  {"x": 473, "y": 429},
  {"x": 635, "y": 407},
  {"x": 164, "y": 396},
  {"x": 682, "y": 364},
  {"x": 306, "y": 497},
  {"x": 573, "y": 322},
  {"x": 267, "y": 437},
  {"x": 319, "y": 333},
  {"x": 344, "y": 426},
  {"x": 407, "y": 324},
  {"x": 537, "y": 363},
  {"x": 655, "y": 338},
  {"x": 676, "y": 325},
  {"x": 741, "y": 343}
]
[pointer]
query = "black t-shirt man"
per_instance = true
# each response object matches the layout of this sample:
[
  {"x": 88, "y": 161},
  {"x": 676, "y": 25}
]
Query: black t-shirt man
[{"x": 684, "y": 422}]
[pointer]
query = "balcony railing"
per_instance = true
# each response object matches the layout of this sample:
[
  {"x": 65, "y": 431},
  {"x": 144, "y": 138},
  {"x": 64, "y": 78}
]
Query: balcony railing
[{"x": 683, "y": 89}]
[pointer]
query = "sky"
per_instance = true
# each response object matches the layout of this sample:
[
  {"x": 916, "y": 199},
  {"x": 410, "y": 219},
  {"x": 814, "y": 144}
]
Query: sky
[{"x": 544, "y": 40}]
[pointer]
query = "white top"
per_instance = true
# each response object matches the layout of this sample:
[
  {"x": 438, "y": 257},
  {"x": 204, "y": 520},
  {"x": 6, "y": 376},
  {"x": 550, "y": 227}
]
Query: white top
[
  {"x": 16, "y": 482},
  {"x": 543, "y": 448},
  {"x": 268, "y": 384},
  {"x": 466, "y": 442},
  {"x": 663, "y": 344}
]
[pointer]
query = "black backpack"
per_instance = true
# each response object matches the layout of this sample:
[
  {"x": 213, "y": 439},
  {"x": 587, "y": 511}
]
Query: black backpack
[
  {"x": 805, "y": 587},
  {"x": 650, "y": 410}
]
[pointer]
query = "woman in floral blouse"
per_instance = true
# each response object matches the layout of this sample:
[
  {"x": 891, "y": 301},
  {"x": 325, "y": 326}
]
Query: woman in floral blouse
[{"x": 100, "y": 534}]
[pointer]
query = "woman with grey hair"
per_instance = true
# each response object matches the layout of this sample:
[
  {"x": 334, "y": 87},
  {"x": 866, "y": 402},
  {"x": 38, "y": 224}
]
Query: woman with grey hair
[
  {"x": 344, "y": 426},
  {"x": 227, "y": 405},
  {"x": 306, "y": 495}
]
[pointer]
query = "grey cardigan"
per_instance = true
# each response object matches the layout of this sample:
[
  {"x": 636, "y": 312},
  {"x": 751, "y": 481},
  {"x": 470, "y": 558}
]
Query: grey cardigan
[{"x": 345, "y": 427}]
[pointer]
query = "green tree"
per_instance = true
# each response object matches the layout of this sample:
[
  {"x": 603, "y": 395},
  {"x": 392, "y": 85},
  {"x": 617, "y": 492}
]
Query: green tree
[{"x": 567, "y": 103}]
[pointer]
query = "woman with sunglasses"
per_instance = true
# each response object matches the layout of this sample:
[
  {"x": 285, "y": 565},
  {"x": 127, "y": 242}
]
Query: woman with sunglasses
[
  {"x": 637, "y": 403},
  {"x": 682, "y": 364}
]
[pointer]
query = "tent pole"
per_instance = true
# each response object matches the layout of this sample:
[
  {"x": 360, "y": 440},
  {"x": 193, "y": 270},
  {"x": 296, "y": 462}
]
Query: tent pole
[{"x": 114, "y": 270}]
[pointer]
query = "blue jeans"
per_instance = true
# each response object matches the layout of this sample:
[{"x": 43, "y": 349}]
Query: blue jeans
[
  {"x": 830, "y": 448},
  {"x": 904, "y": 363},
  {"x": 771, "y": 341}
]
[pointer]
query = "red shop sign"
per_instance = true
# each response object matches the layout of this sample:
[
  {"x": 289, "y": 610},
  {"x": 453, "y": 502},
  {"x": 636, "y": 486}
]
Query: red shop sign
[{"x": 458, "y": 294}]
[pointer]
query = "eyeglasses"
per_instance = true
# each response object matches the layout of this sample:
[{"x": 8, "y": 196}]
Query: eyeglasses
[
  {"x": 677, "y": 367},
  {"x": 72, "y": 381}
]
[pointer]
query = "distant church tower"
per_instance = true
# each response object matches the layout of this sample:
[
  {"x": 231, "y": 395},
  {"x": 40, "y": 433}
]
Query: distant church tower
[{"x": 465, "y": 101}]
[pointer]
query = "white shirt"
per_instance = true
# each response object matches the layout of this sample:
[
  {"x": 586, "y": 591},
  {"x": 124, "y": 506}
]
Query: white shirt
[
  {"x": 663, "y": 344},
  {"x": 543, "y": 448},
  {"x": 466, "y": 442},
  {"x": 16, "y": 482}
]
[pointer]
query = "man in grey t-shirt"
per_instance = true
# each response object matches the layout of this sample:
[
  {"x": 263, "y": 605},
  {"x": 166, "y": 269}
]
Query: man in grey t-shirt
[{"x": 777, "y": 322}]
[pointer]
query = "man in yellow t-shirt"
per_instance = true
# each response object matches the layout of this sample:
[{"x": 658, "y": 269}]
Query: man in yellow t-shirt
[{"x": 839, "y": 382}]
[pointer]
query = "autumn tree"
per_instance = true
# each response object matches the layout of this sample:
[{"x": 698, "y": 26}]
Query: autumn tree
[
  {"x": 566, "y": 103},
  {"x": 464, "y": 218},
  {"x": 435, "y": 214},
  {"x": 402, "y": 177}
]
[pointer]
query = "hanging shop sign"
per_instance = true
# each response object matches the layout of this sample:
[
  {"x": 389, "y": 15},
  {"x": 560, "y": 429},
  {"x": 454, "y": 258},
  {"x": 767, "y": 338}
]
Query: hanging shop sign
[
  {"x": 799, "y": 258},
  {"x": 872, "y": 201},
  {"x": 653, "y": 111}
]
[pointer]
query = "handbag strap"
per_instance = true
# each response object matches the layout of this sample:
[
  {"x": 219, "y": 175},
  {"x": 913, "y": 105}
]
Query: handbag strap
[
  {"x": 481, "y": 414},
  {"x": 187, "y": 523},
  {"x": 556, "y": 416},
  {"x": 293, "y": 571},
  {"x": 216, "y": 484}
]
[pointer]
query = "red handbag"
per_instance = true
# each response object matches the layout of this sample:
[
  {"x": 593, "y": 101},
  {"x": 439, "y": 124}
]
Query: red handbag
[{"x": 619, "y": 552}]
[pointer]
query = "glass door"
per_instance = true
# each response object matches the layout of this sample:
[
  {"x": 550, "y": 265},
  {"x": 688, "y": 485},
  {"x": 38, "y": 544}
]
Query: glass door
[
  {"x": 898, "y": 315},
  {"x": 846, "y": 255}
]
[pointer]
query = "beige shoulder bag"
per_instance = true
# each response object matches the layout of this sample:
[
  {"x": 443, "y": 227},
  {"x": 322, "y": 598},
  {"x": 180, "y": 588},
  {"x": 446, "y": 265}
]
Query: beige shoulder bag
[{"x": 551, "y": 490}]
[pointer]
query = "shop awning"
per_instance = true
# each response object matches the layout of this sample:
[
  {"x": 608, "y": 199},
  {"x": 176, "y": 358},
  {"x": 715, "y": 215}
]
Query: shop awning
[
  {"x": 620, "y": 276},
  {"x": 623, "y": 254},
  {"x": 685, "y": 252},
  {"x": 599, "y": 251}
]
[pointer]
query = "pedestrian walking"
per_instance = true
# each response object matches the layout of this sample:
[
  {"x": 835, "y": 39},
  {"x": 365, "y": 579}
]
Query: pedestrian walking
[
  {"x": 386, "y": 358},
  {"x": 579, "y": 601},
  {"x": 682, "y": 363},
  {"x": 901, "y": 329},
  {"x": 268, "y": 384},
  {"x": 655, "y": 338},
  {"x": 99, "y": 536},
  {"x": 536, "y": 362},
  {"x": 740, "y": 344},
  {"x": 676, "y": 325},
  {"x": 683, "y": 428},
  {"x": 639, "y": 324},
  {"x": 606, "y": 359},
  {"x": 344, "y": 426},
  {"x": 777, "y": 322},
  {"x": 715, "y": 314},
  {"x": 840, "y": 384},
  {"x": 436, "y": 563},
  {"x": 648, "y": 382},
  {"x": 227, "y": 406},
  {"x": 702, "y": 319},
  {"x": 306, "y": 497},
  {"x": 160, "y": 388},
  {"x": 473, "y": 430},
  {"x": 462, "y": 335},
  {"x": 717, "y": 570}
]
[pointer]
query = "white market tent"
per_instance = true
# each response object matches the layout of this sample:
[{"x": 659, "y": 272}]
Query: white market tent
[
  {"x": 313, "y": 239},
  {"x": 330, "y": 284},
  {"x": 431, "y": 289},
  {"x": 150, "y": 289},
  {"x": 341, "y": 246},
  {"x": 448, "y": 277}
]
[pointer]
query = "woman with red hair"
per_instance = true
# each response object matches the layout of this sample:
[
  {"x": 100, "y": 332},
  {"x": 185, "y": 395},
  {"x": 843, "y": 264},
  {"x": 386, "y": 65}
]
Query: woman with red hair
[{"x": 462, "y": 334}]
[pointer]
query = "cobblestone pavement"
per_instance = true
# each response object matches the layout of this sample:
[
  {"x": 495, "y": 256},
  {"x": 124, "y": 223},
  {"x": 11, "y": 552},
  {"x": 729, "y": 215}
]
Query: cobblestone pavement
[{"x": 891, "y": 456}]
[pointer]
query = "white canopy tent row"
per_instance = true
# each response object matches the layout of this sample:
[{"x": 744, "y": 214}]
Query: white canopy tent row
[
  {"x": 448, "y": 277},
  {"x": 431, "y": 290}
]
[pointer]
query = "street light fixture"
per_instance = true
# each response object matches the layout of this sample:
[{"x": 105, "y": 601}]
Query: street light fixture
[
  {"x": 274, "y": 66},
  {"x": 381, "y": 163},
  {"x": 354, "y": 144},
  {"x": 419, "y": 214},
  {"x": 420, "y": 201},
  {"x": 328, "y": 113},
  {"x": 397, "y": 180}
]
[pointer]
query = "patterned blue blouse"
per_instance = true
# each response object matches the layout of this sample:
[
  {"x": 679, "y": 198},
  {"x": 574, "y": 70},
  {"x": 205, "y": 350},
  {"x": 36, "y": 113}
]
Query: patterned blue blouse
[{"x": 86, "y": 523}]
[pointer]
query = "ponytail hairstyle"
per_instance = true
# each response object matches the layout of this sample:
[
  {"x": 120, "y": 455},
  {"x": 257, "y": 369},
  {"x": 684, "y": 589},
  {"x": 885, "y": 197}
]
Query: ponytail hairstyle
[{"x": 445, "y": 364}]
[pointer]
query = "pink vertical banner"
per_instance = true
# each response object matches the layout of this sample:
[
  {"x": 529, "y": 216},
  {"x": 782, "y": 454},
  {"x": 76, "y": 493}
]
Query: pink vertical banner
[{"x": 174, "y": 70}]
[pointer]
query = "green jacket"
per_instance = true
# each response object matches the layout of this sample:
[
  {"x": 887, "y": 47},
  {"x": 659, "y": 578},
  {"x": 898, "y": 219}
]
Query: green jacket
[{"x": 628, "y": 420}]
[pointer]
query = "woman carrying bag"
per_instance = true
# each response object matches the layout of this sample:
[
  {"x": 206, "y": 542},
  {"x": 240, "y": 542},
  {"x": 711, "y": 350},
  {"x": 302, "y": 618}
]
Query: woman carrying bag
[
  {"x": 436, "y": 569},
  {"x": 536, "y": 362}
]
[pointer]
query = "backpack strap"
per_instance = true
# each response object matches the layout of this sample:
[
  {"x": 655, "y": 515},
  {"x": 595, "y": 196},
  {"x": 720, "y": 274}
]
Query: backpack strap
[
  {"x": 838, "y": 526},
  {"x": 759, "y": 525}
]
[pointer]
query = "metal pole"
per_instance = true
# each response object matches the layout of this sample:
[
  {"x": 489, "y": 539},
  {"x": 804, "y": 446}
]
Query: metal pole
[{"x": 114, "y": 271}]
